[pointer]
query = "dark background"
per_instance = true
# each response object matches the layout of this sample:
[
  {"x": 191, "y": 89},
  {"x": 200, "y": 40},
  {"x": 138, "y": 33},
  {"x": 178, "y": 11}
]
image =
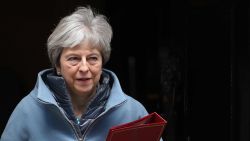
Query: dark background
[{"x": 186, "y": 60}]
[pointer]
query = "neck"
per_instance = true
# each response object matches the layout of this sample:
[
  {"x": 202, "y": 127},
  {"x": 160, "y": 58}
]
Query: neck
[{"x": 80, "y": 103}]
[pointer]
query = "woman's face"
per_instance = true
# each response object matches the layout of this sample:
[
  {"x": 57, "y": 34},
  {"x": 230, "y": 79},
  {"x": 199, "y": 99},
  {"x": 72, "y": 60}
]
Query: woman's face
[{"x": 81, "y": 67}]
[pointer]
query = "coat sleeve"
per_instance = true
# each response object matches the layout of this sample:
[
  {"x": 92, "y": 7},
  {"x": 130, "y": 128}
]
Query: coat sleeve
[
  {"x": 141, "y": 110},
  {"x": 16, "y": 127}
]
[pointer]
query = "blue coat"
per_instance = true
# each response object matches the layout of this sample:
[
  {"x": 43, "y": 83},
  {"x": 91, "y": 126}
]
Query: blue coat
[{"x": 38, "y": 117}]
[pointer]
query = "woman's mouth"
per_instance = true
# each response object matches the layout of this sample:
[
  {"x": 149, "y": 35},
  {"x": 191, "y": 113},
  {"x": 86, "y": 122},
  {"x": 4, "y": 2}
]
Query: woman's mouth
[{"x": 83, "y": 81}]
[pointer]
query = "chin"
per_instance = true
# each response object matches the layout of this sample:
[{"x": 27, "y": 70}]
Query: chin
[{"x": 85, "y": 91}]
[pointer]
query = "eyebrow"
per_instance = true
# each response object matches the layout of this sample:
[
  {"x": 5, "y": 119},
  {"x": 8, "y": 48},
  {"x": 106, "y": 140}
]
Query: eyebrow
[
  {"x": 97, "y": 54},
  {"x": 76, "y": 54}
]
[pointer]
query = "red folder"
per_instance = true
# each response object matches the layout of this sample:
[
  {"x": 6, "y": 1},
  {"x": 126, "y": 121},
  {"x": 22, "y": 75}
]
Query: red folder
[{"x": 148, "y": 128}]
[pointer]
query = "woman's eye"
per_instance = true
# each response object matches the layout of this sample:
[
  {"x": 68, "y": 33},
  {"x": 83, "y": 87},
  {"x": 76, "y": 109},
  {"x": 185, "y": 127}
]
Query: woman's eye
[
  {"x": 93, "y": 59},
  {"x": 73, "y": 60}
]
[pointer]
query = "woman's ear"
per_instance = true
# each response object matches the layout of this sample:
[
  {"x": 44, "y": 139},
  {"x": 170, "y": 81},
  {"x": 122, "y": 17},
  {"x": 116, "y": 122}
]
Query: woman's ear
[
  {"x": 58, "y": 73},
  {"x": 58, "y": 70}
]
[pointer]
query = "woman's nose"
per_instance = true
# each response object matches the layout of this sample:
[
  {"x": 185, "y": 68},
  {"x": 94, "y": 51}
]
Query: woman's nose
[{"x": 84, "y": 66}]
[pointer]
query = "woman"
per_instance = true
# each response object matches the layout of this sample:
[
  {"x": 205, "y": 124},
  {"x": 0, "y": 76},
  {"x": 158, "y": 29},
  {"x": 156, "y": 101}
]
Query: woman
[{"x": 77, "y": 99}]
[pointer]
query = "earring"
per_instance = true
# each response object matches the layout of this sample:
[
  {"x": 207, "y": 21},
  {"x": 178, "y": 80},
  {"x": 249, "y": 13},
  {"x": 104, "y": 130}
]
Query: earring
[{"x": 58, "y": 73}]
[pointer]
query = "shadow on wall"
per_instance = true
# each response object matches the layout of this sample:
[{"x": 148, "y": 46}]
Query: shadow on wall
[{"x": 11, "y": 94}]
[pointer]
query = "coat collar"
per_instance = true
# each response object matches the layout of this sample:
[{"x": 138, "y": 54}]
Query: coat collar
[
  {"x": 45, "y": 95},
  {"x": 43, "y": 92},
  {"x": 117, "y": 96}
]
